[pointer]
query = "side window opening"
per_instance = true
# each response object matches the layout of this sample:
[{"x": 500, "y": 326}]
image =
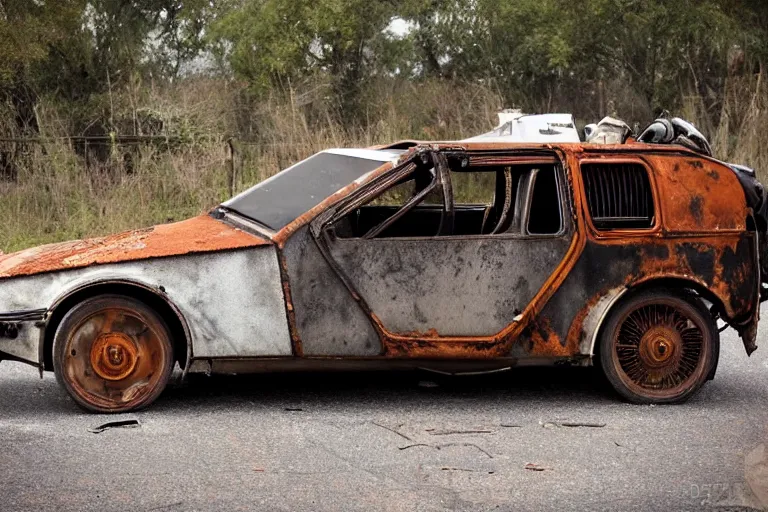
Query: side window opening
[
  {"x": 518, "y": 199},
  {"x": 544, "y": 215},
  {"x": 477, "y": 186},
  {"x": 618, "y": 195},
  {"x": 476, "y": 197},
  {"x": 408, "y": 208},
  {"x": 493, "y": 200}
]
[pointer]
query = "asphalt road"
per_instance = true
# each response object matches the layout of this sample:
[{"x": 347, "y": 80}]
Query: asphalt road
[{"x": 392, "y": 441}]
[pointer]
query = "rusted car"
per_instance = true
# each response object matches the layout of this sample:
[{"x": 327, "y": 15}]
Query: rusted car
[{"x": 458, "y": 257}]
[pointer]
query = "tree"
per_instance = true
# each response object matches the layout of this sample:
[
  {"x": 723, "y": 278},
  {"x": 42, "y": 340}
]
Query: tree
[
  {"x": 27, "y": 31},
  {"x": 281, "y": 42}
]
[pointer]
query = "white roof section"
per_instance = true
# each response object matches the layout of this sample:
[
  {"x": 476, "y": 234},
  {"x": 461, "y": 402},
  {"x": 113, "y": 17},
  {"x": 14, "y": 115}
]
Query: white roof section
[
  {"x": 514, "y": 126},
  {"x": 378, "y": 155}
]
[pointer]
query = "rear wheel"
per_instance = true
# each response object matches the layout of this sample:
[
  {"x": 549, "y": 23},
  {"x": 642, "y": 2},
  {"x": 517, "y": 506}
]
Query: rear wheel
[
  {"x": 658, "y": 347},
  {"x": 112, "y": 354}
]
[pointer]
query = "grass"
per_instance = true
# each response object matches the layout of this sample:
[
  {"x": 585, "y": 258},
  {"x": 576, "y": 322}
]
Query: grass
[{"x": 58, "y": 194}]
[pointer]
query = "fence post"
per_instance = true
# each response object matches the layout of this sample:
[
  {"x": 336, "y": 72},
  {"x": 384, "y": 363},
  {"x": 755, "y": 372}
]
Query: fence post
[{"x": 231, "y": 161}]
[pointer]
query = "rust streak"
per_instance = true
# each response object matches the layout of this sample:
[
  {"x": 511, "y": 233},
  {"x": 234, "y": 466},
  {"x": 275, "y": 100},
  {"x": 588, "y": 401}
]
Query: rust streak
[{"x": 298, "y": 347}]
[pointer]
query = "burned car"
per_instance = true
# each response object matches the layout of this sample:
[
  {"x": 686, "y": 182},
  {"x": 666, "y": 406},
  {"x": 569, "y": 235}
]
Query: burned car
[{"x": 460, "y": 257}]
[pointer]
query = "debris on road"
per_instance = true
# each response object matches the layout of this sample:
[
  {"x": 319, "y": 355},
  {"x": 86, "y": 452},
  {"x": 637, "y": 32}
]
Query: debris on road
[
  {"x": 115, "y": 424},
  {"x": 535, "y": 467},
  {"x": 551, "y": 424},
  {"x": 445, "y": 445},
  {"x": 417, "y": 444},
  {"x": 393, "y": 430},
  {"x": 434, "y": 432},
  {"x": 428, "y": 384}
]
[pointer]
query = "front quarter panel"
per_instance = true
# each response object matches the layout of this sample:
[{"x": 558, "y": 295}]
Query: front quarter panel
[{"x": 232, "y": 301}]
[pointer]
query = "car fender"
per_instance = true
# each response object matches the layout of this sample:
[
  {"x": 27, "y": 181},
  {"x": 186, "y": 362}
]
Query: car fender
[
  {"x": 232, "y": 301},
  {"x": 111, "y": 278}
]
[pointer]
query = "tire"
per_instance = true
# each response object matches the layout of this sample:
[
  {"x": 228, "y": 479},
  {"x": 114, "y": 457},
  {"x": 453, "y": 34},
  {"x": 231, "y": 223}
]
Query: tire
[
  {"x": 659, "y": 347},
  {"x": 112, "y": 354}
]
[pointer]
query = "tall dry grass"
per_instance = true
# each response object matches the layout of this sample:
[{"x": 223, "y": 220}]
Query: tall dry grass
[
  {"x": 738, "y": 131},
  {"x": 55, "y": 197},
  {"x": 58, "y": 194}
]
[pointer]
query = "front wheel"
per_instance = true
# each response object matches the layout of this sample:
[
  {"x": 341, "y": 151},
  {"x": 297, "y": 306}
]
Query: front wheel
[
  {"x": 658, "y": 347},
  {"x": 112, "y": 354}
]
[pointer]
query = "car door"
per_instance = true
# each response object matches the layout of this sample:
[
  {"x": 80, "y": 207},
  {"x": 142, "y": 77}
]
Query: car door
[{"x": 455, "y": 254}]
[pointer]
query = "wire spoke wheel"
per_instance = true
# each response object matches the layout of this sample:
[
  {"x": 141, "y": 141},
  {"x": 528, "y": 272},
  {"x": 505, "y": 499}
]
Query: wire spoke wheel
[
  {"x": 657, "y": 348},
  {"x": 113, "y": 354}
]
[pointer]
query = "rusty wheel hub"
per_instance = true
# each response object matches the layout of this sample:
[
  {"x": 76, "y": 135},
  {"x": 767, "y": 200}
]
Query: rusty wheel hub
[
  {"x": 658, "y": 348},
  {"x": 114, "y": 356}
]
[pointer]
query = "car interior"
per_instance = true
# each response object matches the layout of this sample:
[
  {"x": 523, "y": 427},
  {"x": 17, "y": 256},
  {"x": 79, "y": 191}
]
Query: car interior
[{"x": 488, "y": 200}]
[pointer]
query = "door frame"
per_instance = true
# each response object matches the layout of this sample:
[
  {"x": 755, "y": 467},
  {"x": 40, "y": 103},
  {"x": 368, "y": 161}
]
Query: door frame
[{"x": 463, "y": 347}]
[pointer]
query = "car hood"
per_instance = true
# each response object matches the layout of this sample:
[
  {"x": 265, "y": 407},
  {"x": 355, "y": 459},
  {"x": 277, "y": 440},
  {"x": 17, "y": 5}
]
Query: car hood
[{"x": 195, "y": 235}]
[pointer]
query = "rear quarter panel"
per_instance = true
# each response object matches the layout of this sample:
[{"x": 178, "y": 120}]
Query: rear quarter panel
[{"x": 700, "y": 239}]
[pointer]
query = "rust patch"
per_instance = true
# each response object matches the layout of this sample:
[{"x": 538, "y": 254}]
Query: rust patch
[
  {"x": 298, "y": 347},
  {"x": 430, "y": 333},
  {"x": 195, "y": 235},
  {"x": 576, "y": 333},
  {"x": 543, "y": 341},
  {"x": 701, "y": 261},
  {"x": 696, "y": 209},
  {"x": 701, "y": 197}
]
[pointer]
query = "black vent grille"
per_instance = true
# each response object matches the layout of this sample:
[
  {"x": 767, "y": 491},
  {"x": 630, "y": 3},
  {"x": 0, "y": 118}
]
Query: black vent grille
[{"x": 618, "y": 195}]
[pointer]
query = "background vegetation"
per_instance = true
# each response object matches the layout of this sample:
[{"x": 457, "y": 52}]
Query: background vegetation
[{"x": 117, "y": 114}]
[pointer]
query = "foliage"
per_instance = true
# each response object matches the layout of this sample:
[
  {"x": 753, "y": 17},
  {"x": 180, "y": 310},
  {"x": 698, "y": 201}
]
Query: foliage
[
  {"x": 586, "y": 57},
  {"x": 275, "y": 42},
  {"x": 286, "y": 78}
]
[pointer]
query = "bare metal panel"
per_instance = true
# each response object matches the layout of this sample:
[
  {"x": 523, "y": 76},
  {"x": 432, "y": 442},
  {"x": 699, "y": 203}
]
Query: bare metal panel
[
  {"x": 232, "y": 301},
  {"x": 470, "y": 286},
  {"x": 329, "y": 321}
]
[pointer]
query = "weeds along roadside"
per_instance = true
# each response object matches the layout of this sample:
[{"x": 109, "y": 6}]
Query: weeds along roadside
[{"x": 58, "y": 189}]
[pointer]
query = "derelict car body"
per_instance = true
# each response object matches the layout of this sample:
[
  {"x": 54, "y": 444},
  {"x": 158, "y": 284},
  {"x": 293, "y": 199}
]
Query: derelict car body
[{"x": 374, "y": 255}]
